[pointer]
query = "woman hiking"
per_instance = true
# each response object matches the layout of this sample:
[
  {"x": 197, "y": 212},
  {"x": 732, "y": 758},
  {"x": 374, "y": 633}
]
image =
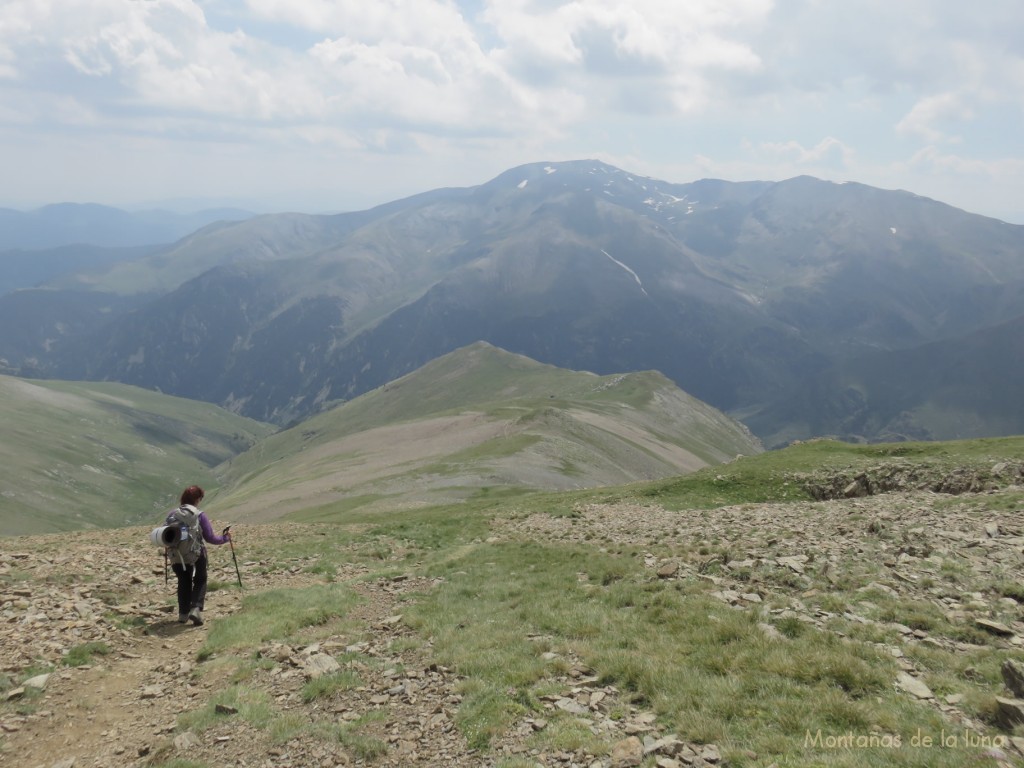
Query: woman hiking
[{"x": 191, "y": 569}]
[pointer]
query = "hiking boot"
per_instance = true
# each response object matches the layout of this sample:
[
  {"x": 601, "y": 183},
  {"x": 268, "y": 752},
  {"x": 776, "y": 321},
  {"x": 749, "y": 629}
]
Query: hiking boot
[
  {"x": 182, "y": 618},
  {"x": 195, "y": 616}
]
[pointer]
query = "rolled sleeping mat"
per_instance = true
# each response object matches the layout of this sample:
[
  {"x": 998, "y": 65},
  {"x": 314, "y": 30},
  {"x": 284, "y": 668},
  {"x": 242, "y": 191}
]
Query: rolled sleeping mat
[{"x": 166, "y": 535}]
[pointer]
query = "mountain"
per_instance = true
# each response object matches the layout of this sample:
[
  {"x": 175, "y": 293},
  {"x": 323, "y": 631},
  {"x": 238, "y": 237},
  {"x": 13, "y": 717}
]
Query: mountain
[
  {"x": 479, "y": 423},
  {"x": 945, "y": 390},
  {"x": 81, "y": 455},
  {"x": 63, "y": 224},
  {"x": 746, "y": 295}
]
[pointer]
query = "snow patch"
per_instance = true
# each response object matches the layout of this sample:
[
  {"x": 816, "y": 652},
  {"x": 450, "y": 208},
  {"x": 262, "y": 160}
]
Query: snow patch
[
  {"x": 634, "y": 274},
  {"x": 522, "y": 184},
  {"x": 893, "y": 230},
  {"x": 549, "y": 170},
  {"x": 666, "y": 200}
]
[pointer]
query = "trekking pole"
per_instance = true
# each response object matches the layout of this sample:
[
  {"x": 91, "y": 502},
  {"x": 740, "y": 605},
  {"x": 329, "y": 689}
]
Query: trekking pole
[
  {"x": 235, "y": 559},
  {"x": 165, "y": 568}
]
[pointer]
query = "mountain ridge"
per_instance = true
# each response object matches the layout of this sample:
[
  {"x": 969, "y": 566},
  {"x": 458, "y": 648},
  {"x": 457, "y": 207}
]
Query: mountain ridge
[
  {"x": 477, "y": 421},
  {"x": 738, "y": 292},
  {"x": 481, "y": 420}
]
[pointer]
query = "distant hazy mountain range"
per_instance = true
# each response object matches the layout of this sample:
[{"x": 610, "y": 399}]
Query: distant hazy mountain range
[
  {"x": 801, "y": 307},
  {"x": 62, "y": 224},
  {"x": 38, "y": 245}
]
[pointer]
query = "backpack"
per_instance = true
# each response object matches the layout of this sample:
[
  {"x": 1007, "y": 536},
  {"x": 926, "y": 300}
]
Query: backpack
[{"x": 189, "y": 540}]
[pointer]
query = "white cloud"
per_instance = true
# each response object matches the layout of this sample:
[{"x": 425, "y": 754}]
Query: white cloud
[
  {"x": 426, "y": 23},
  {"x": 605, "y": 48},
  {"x": 929, "y": 112},
  {"x": 463, "y": 88},
  {"x": 826, "y": 149},
  {"x": 931, "y": 159}
]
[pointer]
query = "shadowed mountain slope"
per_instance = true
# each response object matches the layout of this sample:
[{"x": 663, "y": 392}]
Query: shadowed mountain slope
[{"x": 741, "y": 293}]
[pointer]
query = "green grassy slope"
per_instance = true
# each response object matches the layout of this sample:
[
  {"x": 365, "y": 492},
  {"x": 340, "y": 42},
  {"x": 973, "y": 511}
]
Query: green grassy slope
[
  {"x": 481, "y": 421},
  {"x": 81, "y": 455}
]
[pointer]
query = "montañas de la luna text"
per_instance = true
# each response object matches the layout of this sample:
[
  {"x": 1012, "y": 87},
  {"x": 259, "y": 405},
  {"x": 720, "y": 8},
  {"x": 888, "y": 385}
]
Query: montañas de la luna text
[{"x": 964, "y": 739}]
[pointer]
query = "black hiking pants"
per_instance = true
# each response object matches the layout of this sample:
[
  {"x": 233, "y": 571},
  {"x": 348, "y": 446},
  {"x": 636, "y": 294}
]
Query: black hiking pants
[{"x": 191, "y": 584}]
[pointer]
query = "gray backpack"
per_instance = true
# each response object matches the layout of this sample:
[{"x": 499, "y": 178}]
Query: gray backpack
[{"x": 189, "y": 544}]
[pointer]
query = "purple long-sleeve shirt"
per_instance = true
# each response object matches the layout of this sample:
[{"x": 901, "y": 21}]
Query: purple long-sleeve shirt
[{"x": 208, "y": 532}]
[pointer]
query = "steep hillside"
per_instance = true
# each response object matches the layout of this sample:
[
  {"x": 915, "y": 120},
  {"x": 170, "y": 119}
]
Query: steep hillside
[
  {"x": 87, "y": 455},
  {"x": 480, "y": 422},
  {"x": 739, "y": 293}
]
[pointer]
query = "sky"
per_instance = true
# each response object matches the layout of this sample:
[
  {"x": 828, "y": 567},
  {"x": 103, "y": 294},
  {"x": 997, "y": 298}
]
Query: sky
[{"x": 331, "y": 105}]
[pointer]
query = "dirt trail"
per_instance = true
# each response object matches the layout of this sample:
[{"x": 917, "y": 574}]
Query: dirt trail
[
  {"x": 110, "y": 714},
  {"x": 122, "y": 708}
]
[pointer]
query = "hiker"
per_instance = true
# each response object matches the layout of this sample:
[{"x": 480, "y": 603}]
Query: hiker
[{"x": 192, "y": 575}]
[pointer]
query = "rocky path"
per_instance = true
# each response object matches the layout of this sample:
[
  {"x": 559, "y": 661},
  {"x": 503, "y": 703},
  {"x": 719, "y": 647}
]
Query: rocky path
[{"x": 124, "y": 705}]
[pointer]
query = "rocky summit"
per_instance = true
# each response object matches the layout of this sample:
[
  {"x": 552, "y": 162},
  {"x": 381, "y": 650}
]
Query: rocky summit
[{"x": 97, "y": 672}]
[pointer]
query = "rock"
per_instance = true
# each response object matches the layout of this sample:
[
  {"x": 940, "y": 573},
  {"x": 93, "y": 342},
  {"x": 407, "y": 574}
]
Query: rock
[
  {"x": 994, "y": 627},
  {"x": 1018, "y": 743},
  {"x": 855, "y": 489},
  {"x": 1009, "y": 713},
  {"x": 668, "y": 570},
  {"x": 225, "y": 709},
  {"x": 1013, "y": 676},
  {"x": 883, "y": 588},
  {"x": 186, "y": 741},
  {"x": 710, "y": 754},
  {"x": 67, "y": 762},
  {"x": 770, "y": 631},
  {"x": 992, "y": 530},
  {"x": 727, "y": 596},
  {"x": 570, "y": 706},
  {"x": 320, "y": 664},
  {"x": 669, "y": 745},
  {"x": 38, "y": 682},
  {"x": 913, "y": 686},
  {"x": 627, "y": 753},
  {"x": 151, "y": 692},
  {"x": 794, "y": 563}
]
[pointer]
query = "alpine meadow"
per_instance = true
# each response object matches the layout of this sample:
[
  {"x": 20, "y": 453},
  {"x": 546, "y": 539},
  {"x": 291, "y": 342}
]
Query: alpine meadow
[{"x": 572, "y": 468}]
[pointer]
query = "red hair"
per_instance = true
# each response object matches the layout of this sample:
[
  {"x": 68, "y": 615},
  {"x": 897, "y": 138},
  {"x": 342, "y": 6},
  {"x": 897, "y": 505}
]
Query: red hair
[{"x": 192, "y": 495}]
